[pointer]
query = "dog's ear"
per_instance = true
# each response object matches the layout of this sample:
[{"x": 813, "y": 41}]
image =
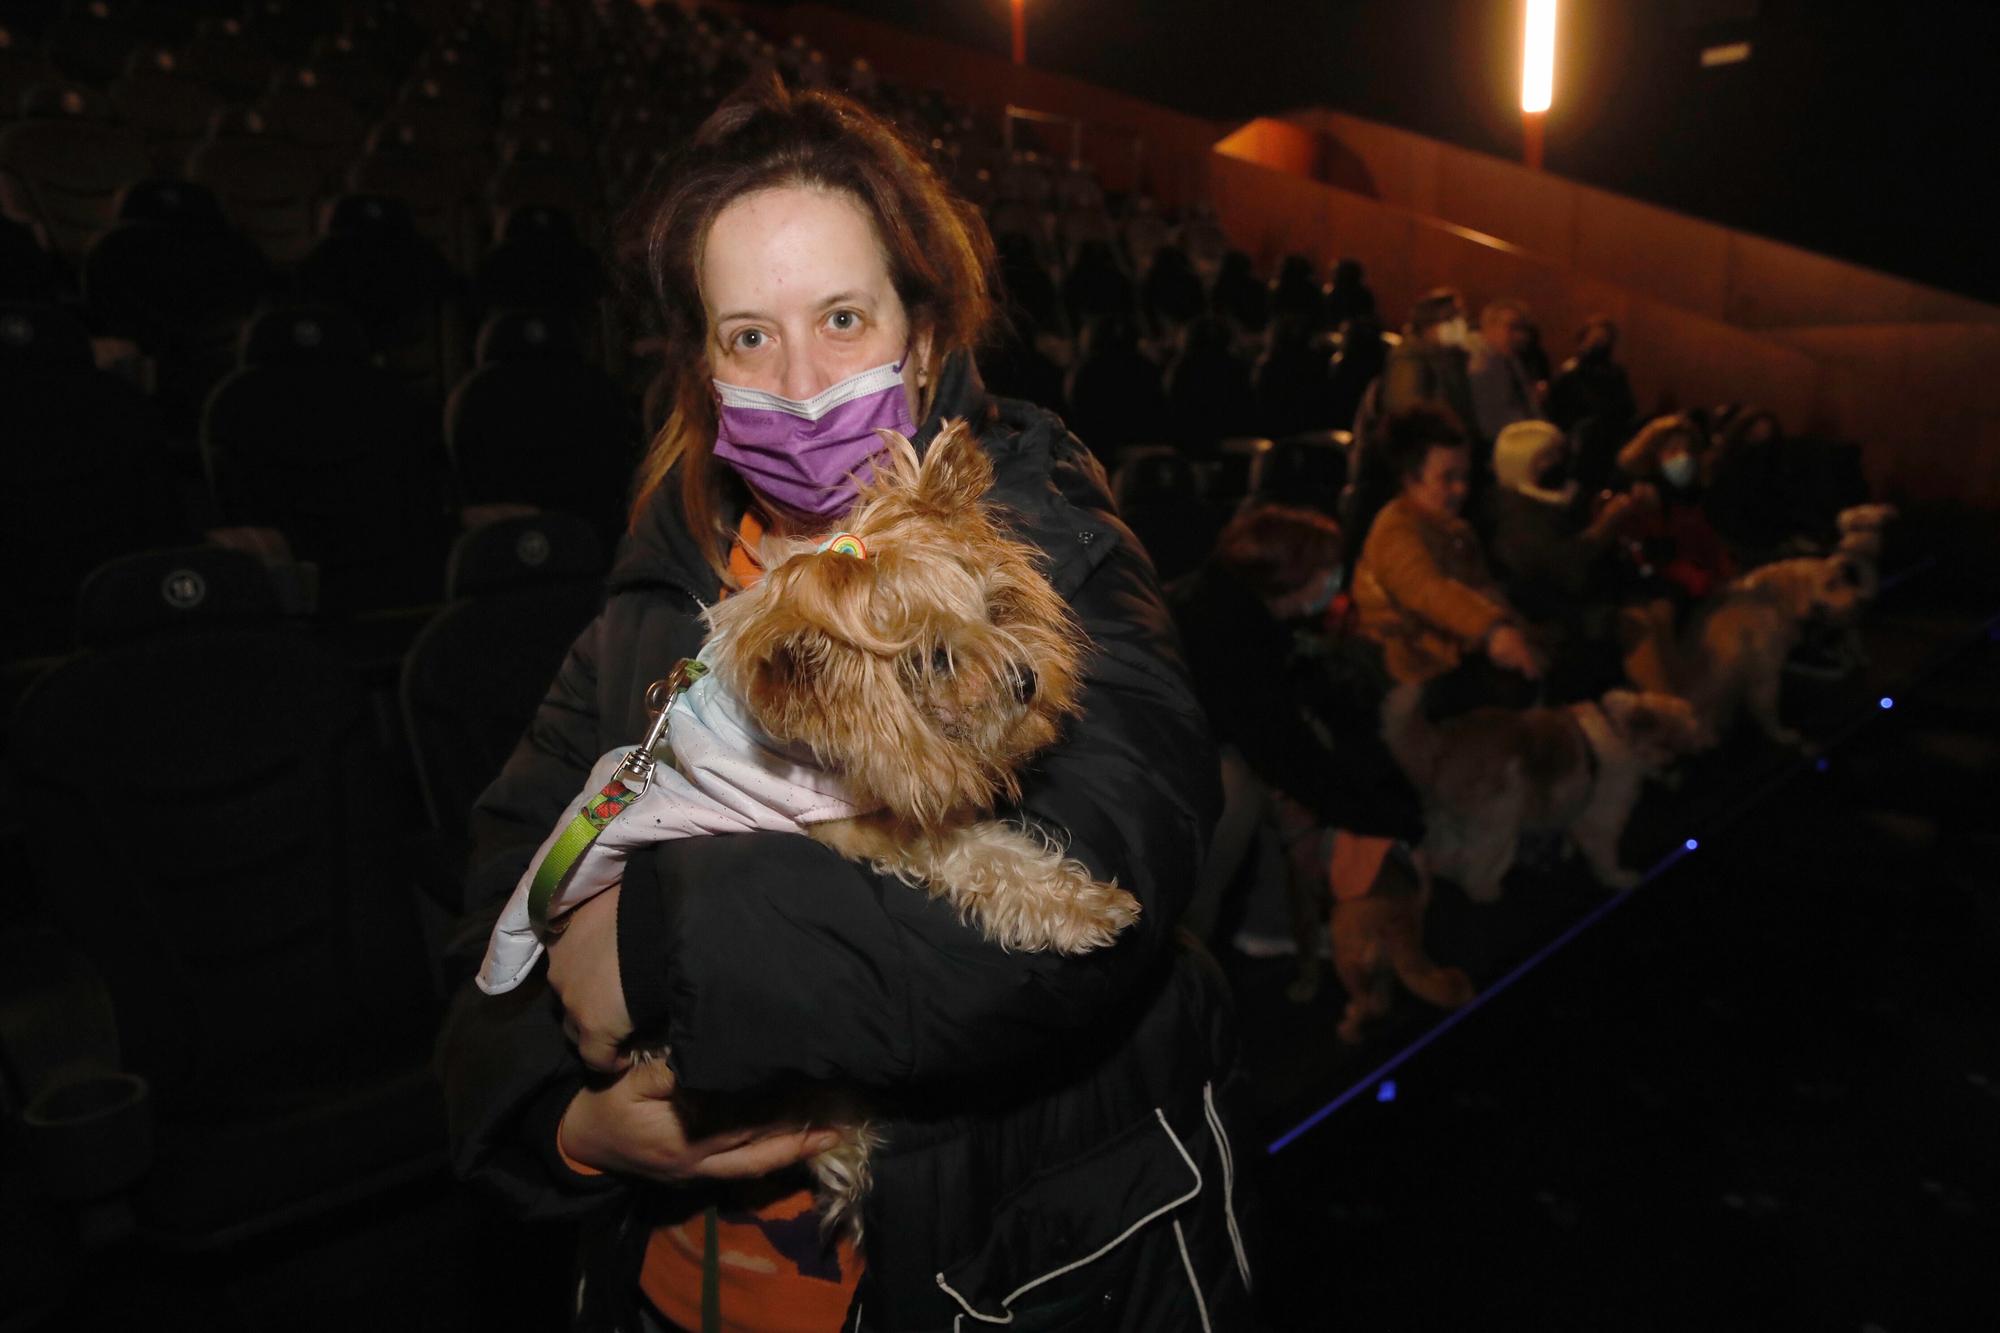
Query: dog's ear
[{"x": 955, "y": 474}]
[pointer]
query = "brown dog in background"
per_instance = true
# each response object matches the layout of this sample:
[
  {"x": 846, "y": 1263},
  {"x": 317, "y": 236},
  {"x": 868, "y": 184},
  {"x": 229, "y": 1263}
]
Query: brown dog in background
[{"x": 1490, "y": 775}]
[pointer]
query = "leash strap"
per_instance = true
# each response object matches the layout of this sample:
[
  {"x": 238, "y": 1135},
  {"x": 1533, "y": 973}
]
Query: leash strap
[
  {"x": 711, "y": 1271},
  {"x": 628, "y": 784}
]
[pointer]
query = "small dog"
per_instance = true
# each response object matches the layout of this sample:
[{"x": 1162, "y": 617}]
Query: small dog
[
  {"x": 1489, "y": 775},
  {"x": 892, "y": 682},
  {"x": 1735, "y": 650},
  {"x": 1378, "y": 938}
]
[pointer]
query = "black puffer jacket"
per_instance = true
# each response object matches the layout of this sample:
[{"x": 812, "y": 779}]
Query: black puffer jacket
[{"x": 1055, "y": 1154}]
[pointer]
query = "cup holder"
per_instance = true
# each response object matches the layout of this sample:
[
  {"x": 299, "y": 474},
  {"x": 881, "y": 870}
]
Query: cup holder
[{"x": 90, "y": 1135}]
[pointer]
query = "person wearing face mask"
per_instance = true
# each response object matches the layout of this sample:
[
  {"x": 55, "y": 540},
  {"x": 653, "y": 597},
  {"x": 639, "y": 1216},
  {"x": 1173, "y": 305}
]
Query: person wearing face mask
[
  {"x": 1680, "y": 558},
  {"x": 1664, "y": 463},
  {"x": 1431, "y": 364},
  {"x": 1055, "y": 1141},
  {"x": 1249, "y": 617}
]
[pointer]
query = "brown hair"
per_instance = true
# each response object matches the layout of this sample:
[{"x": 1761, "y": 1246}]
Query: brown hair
[
  {"x": 1409, "y": 436},
  {"x": 1276, "y": 548},
  {"x": 762, "y": 137}
]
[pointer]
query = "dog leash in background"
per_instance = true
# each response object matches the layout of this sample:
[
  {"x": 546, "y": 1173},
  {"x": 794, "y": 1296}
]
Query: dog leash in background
[{"x": 628, "y": 784}]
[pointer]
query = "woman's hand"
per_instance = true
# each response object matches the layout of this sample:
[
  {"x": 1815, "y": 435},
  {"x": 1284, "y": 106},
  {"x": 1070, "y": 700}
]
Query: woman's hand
[
  {"x": 1509, "y": 648},
  {"x": 583, "y": 972},
  {"x": 632, "y": 1128}
]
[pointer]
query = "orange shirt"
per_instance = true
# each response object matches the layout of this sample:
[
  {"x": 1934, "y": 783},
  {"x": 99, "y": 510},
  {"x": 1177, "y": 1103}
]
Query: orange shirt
[{"x": 780, "y": 1273}]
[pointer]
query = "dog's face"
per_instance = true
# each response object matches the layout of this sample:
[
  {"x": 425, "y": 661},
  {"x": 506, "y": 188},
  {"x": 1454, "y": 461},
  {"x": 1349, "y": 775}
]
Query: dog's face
[
  {"x": 1830, "y": 588},
  {"x": 927, "y": 669},
  {"x": 1658, "y": 727}
]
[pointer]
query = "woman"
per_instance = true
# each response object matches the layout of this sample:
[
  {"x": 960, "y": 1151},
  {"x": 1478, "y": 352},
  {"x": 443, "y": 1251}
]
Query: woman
[
  {"x": 1422, "y": 589},
  {"x": 1052, "y": 1145}
]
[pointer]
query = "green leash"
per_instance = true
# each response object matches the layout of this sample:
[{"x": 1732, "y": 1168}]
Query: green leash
[{"x": 628, "y": 784}]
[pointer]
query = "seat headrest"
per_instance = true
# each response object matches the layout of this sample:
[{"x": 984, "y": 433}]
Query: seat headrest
[
  {"x": 43, "y": 335},
  {"x": 377, "y": 215},
  {"x": 163, "y": 200},
  {"x": 298, "y": 335},
  {"x": 537, "y": 222},
  {"x": 166, "y": 591},
  {"x": 515, "y": 552},
  {"x": 57, "y": 100},
  {"x": 524, "y": 335},
  {"x": 1153, "y": 473}
]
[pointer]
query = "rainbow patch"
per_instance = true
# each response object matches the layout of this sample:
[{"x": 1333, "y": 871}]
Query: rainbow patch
[{"x": 845, "y": 543}]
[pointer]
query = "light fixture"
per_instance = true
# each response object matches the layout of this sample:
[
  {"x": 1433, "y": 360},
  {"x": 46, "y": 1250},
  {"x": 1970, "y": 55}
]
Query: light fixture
[
  {"x": 1538, "y": 58},
  {"x": 1538, "y": 77}
]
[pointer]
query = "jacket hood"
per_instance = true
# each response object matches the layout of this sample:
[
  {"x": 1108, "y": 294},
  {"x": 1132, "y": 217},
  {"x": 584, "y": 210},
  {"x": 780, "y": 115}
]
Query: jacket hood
[
  {"x": 659, "y": 550},
  {"x": 1514, "y": 458}
]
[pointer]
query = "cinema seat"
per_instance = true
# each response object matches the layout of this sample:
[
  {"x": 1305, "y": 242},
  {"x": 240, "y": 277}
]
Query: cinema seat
[
  {"x": 518, "y": 591},
  {"x": 373, "y": 263},
  {"x": 225, "y": 58},
  {"x": 174, "y": 277},
  {"x": 82, "y": 473},
  {"x": 306, "y": 437},
  {"x": 1160, "y": 494},
  {"x": 169, "y": 107},
  {"x": 268, "y": 186},
  {"x": 250, "y": 917},
  {"x": 551, "y": 432},
  {"x": 62, "y": 166}
]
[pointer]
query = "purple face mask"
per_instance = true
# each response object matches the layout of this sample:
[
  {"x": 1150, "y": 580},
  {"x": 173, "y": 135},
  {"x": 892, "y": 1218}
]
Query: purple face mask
[{"x": 811, "y": 456}]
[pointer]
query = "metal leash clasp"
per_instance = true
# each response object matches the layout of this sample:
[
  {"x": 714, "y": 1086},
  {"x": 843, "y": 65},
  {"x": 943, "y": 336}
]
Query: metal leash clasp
[{"x": 636, "y": 769}]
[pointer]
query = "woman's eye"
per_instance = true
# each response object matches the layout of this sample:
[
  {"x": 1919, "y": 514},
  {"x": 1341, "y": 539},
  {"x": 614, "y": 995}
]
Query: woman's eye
[
  {"x": 750, "y": 339},
  {"x": 844, "y": 321}
]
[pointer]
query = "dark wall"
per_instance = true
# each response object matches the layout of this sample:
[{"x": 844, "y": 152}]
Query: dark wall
[{"x": 1863, "y": 131}]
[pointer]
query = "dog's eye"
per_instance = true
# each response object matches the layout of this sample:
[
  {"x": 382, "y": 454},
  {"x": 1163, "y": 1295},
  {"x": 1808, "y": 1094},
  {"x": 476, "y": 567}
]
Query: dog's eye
[{"x": 1024, "y": 684}]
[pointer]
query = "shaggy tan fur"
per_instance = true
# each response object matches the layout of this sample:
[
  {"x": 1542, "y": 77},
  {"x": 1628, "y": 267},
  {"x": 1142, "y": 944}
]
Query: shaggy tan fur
[
  {"x": 1489, "y": 775},
  {"x": 1733, "y": 658},
  {"x": 927, "y": 672}
]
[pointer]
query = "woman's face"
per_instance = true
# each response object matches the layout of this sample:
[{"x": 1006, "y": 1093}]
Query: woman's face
[
  {"x": 1441, "y": 483},
  {"x": 797, "y": 289}
]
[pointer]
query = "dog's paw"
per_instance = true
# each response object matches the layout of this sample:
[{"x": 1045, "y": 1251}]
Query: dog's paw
[{"x": 1350, "y": 1027}]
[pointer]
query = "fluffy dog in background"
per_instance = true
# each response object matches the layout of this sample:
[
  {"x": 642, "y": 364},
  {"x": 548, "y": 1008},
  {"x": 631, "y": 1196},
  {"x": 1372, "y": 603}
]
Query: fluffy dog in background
[
  {"x": 879, "y": 692},
  {"x": 1490, "y": 775},
  {"x": 1737, "y": 646},
  {"x": 1379, "y": 936}
]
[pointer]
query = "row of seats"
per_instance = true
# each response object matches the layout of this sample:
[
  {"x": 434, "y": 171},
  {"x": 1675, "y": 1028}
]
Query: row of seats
[
  {"x": 308, "y": 438},
  {"x": 233, "y": 1053}
]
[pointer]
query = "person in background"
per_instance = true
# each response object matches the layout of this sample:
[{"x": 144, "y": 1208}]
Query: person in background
[
  {"x": 1681, "y": 558},
  {"x": 1591, "y": 385},
  {"x": 1348, "y": 295},
  {"x": 1561, "y": 564},
  {"x": 1503, "y": 389},
  {"x": 1422, "y": 590},
  {"x": 1428, "y": 366},
  {"x": 1272, "y": 576}
]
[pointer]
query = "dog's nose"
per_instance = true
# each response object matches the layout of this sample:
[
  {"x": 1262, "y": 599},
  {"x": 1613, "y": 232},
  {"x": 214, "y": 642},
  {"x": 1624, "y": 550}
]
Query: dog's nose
[{"x": 1024, "y": 684}]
